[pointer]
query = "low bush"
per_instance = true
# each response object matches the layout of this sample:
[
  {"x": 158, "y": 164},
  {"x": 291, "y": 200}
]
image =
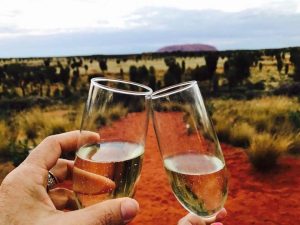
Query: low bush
[{"x": 265, "y": 149}]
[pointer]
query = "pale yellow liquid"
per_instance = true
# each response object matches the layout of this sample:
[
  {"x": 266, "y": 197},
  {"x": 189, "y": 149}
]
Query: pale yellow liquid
[
  {"x": 118, "y": 162},
  {"x": 198, "y": 181}
]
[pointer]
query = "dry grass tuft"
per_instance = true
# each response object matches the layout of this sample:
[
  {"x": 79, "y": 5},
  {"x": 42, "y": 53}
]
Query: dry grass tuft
[
  {"x": 36, "y": 124},
  {"x": 265, "y": 149}
]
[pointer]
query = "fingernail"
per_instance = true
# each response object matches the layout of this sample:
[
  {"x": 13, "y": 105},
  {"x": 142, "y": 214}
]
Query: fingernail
[
  {"x": 129, "y": 209},
  {"x": 217, "y": 223}
]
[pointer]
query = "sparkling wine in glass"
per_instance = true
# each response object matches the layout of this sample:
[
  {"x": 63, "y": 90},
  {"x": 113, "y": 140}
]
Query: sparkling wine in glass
[
  {"x": 190, "y": 149},
  {"x": 112, "y": 138}
]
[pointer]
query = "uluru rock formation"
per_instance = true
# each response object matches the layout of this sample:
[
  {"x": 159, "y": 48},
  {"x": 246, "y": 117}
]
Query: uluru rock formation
[{"x": 188, "y": 48}]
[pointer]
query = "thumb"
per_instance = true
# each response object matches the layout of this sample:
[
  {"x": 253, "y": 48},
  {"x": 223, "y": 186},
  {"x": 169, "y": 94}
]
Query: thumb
[{"x": 110, "y": 212}]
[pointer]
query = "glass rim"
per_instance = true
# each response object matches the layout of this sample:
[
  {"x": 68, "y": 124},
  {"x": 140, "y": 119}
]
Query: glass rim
[
  {"x": 94, "y": 82},
  {"x": 186, "y": 85}
]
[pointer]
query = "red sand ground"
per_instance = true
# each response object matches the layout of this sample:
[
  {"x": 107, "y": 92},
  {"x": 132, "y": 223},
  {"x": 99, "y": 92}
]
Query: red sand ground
[{"x": 254, "y": 198}]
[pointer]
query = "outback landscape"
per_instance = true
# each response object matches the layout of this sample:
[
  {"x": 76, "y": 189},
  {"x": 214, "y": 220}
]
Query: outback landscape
[{"x": 252, "y": 97}]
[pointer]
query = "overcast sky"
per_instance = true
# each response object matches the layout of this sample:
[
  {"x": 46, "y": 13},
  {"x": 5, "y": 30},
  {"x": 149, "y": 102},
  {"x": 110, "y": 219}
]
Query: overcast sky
[{"x": 83, "y": 27}]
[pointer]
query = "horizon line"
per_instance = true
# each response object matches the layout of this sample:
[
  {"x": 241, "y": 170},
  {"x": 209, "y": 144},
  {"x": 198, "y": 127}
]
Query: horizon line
[{"x": 141, "y": 53}]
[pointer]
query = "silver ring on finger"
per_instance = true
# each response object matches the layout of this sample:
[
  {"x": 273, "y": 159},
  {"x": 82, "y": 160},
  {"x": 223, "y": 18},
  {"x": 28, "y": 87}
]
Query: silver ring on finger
[{"x": 52, "y": 181}]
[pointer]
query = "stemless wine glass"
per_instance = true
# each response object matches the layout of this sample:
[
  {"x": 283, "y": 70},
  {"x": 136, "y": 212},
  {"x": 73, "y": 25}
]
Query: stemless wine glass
[
  {"x": 112, "y": 139},
  {"x": 190, "y": 150}
]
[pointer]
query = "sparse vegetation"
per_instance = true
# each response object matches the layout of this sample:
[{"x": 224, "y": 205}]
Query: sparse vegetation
[
  {"x": 36, "y": 124},
  {"x": 266, "y": 126}
]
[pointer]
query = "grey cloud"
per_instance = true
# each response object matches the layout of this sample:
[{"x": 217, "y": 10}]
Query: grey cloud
[{"x": 221, "y": 24}]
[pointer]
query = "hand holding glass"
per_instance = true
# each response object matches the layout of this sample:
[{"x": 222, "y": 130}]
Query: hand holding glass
[{"x": 118, "y": 112}]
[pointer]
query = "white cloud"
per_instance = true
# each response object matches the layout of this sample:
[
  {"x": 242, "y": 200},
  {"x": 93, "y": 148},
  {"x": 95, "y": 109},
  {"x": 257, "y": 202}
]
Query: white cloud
[
  {"x": 70, "y": 27},
  {"x": 47, "y": 17}
]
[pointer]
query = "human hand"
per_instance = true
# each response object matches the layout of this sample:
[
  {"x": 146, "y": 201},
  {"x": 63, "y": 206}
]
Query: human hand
[
  {"x": 24, "y": 199},
  {"x": 191, "y": 219}
]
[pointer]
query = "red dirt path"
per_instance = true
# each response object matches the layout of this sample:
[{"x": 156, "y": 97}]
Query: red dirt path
[{"x": 254, "y": 198}]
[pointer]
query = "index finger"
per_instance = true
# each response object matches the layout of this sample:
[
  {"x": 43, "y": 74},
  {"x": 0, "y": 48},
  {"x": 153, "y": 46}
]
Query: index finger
[{"x": 49, "y": 150}]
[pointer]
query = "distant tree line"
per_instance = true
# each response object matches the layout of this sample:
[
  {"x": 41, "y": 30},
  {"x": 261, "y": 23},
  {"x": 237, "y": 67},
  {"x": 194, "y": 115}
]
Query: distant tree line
[
  {"x": 52, "y": 78},
  {"x": 37, "y": 80},
  {"x": 236, "y": 67}
]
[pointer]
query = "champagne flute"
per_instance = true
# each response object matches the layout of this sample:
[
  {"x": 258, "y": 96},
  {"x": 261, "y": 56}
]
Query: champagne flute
[
  {"x": 190, "y": 149},
  {"x": 111, "y": 142}
]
